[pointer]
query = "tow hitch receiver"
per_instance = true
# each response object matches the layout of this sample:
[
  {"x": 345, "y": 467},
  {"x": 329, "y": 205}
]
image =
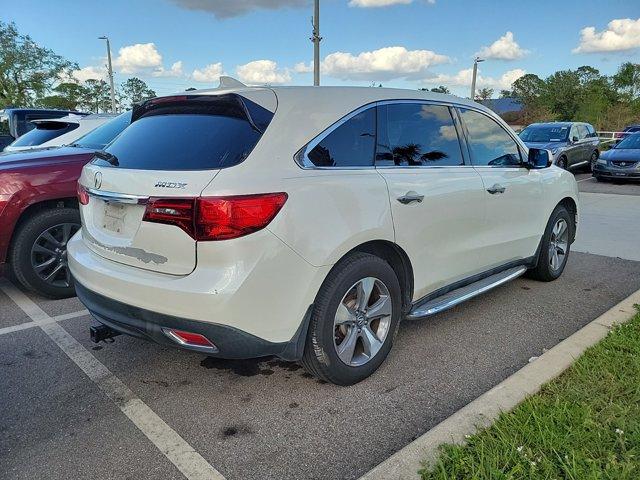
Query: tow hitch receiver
[{"x": 100, "y": 333}]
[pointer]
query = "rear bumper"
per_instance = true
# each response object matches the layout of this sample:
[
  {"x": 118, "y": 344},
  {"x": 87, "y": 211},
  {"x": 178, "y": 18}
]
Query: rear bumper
[
  {"x": 254, "y": 284},
  {"x": 229, "y": 342}
]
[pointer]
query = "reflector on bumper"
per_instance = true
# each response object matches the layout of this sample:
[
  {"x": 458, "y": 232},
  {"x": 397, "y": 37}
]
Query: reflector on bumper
[{"x": 188, "y": 339}]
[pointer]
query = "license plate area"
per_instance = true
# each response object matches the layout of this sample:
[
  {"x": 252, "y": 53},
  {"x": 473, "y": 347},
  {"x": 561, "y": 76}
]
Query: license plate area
[{"x": 114, "y": 217}]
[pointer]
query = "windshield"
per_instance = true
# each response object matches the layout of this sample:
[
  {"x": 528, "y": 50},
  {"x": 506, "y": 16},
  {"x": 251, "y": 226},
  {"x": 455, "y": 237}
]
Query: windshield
[
  {"x": 43, "y": 132},
  {"x": 100, "y": 137},
  {"x": 630, "y": 141},
  {"x": 545, "y": 134}
]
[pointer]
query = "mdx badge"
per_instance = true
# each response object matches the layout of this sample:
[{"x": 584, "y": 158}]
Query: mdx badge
[{"x": 170, "y": 184}]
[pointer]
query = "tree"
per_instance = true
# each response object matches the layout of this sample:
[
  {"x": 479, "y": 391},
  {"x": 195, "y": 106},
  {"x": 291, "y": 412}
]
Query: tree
[
  {"x": 441, "y": 89},
  {"x": 627, "y": 80},
  {"x": 97, "y": 96},
  {"x": 135, "y": 91},
  {"x": 66, "y": 95},
  {"x": 528, "y": 89},
  {"x": 27, "y": 70},
  {"x": 484, "y": 94}
]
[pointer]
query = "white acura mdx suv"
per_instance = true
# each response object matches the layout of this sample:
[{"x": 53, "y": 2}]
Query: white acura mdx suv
[{"x": 306, "y": 222}]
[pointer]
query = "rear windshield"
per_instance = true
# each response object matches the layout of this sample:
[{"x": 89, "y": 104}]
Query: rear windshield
[
  {"x": 545, "y": 134},
  {"x": 43, "y": 132},
  {"x": 102, "y": 136},
  {"x": 189, "y": 133}
]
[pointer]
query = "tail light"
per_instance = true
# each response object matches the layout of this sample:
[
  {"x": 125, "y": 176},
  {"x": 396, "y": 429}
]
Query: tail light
[
  {"x": 83, "y": 195},
  {"x": 217, "y": 218}
]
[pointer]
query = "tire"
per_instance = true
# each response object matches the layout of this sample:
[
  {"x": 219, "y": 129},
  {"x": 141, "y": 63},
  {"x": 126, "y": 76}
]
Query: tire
[
  {"x": 31, "y": 247},
  {"x": 324, "y": 338},
  {"x": 592, "y": 161},
  {"x": 562, "y": 163},
  {"x": 549, "y": 268}
]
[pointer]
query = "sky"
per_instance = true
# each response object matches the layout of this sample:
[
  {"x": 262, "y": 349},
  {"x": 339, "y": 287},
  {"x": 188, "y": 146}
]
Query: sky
[{"x": 176, "y": 44}]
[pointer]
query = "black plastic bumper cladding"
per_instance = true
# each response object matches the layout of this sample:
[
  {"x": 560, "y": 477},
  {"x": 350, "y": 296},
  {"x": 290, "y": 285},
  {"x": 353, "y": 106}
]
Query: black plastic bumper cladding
[{"x": 231, "y": 342}]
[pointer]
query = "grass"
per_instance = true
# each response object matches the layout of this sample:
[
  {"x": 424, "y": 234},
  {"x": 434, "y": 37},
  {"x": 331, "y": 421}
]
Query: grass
[{"x": 584, "y": 425}]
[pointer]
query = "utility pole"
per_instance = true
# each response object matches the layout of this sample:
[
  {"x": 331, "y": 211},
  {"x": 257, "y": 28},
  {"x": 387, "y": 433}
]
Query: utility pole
[
  {"x": 476, "y": 61},
  {"x": 113, "y": 90},
  {"x": 315, "y": 38}
]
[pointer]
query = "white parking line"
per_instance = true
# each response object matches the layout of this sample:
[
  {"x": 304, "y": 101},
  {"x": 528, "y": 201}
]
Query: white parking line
[
  {"x": 32, "y": 324},
  {"x": 585, "y": 179},
  {"x": 190, "y": 463}
]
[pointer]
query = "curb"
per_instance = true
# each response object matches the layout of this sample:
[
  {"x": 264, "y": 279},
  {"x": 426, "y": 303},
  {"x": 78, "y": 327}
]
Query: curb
[{"x": 481, "y": 412}]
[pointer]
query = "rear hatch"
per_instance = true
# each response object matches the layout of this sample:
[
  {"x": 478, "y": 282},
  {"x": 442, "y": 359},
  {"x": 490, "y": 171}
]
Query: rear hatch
[{"x": 138, "y": 196}]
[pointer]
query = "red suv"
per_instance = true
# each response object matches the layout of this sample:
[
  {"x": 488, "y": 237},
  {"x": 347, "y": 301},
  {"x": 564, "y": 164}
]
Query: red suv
[{"x": 39, "y": 210}]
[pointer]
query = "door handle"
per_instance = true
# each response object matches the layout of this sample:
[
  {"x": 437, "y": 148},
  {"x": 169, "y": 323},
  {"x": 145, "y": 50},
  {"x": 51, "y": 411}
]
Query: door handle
[
  {"x": 410, "y": 197},
  {"x": 497, "y": 188}
]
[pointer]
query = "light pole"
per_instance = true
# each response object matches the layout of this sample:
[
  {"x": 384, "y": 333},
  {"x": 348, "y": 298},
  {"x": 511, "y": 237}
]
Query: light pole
[
  {"x": 315, "y": 38},
  {"x": 476, "y": 61},
  {"x": 113, "y": 90}
]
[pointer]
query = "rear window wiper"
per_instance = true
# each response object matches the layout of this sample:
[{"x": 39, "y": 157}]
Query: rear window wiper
[{"x": 107, "y": 157}]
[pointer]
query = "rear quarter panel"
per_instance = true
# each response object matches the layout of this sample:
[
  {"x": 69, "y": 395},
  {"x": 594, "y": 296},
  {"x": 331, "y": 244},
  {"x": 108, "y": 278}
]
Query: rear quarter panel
[{"x": 25, "y": 186}]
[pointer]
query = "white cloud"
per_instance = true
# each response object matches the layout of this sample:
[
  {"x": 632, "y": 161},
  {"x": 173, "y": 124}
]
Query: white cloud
[
  {"x": 303, "y": 67},
  {"x": 463, "y": 79},
  {"x": 234, "y": 8},
  {"x": 261, "y": 72},
  {"x": 505, "y": 48},
  {"x": 383, "y": 64},
  {"x": 208, "y": 74},
  {"x": 137, "y": 58},
  {"x": 174, "y": 71},
  {"x": 507, "y": 78},
  {"x": 621, "y": 34},
  {"x": 89, "y": 72}
]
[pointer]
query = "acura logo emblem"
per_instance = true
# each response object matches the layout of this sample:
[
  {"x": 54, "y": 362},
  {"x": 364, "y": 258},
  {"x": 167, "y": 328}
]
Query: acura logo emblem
[{"x": 97, "y": 180}]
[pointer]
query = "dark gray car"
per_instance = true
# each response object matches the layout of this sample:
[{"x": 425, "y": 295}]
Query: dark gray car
[
  {"x": 573, "y": 144},
  {"x": 622, "y": 162}
]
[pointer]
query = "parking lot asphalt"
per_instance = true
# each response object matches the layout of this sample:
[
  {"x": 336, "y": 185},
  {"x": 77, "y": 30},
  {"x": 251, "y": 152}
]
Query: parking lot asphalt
[
  {"x": 262, "y": 419},
  {"x": 267, "y": 419}
]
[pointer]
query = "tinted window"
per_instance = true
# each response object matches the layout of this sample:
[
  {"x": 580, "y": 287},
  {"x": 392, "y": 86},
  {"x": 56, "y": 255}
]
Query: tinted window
[
  {"x": 189, "y": 133},
  {"x": 413, "y": 134},
  {"x": 43, "y": 132},
  {"x": 592, "y": 131},
  {"x": 489, "y": 143},
  {"x": 100, "y": 137},
  {"x": 352, "y": 144}
]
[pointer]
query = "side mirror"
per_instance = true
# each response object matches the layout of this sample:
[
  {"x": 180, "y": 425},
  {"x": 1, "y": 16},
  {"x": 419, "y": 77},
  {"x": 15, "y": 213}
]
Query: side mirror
[
  {"x": 539, "y": 158},
  {"x": 574, "y": 139}
]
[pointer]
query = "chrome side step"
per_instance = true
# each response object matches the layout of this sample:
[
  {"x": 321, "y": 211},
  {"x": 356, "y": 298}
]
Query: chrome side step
[{"x": 462, "y": 294}]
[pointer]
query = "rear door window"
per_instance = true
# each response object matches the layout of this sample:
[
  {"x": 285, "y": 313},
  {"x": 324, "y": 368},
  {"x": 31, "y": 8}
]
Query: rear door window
[
  {"x": 489, "y": 143},
  {"x": 189, "y": 133},
  {"x": 350, "y": 144},
  {"x": 415, "y": 134}
]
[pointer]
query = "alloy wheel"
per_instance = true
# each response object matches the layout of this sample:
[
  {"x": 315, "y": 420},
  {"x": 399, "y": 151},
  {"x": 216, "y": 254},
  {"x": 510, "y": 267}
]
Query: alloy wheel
[
  {"x": 558, "y": 244},
  {"x": 49, "y": 254},
  {"x": 362, "y": 321}
]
